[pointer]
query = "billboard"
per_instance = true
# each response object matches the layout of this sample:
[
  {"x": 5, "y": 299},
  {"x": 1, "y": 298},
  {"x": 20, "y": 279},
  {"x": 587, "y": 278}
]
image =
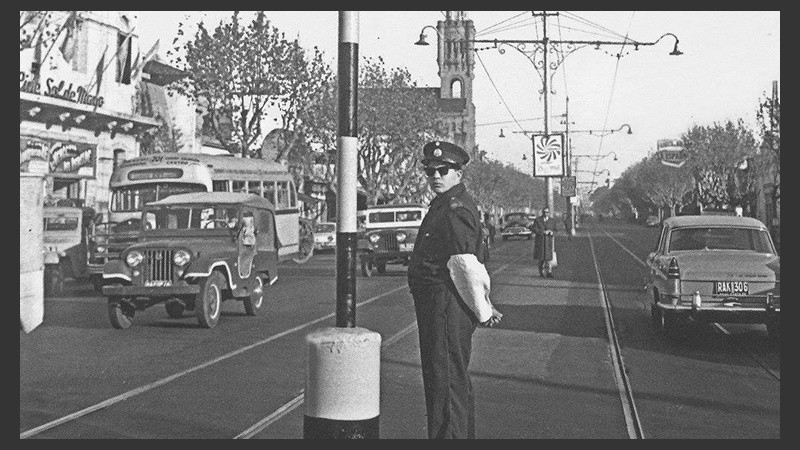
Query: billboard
[
  {"x": 64, "y": 159},
  {"x": 548, "y": 155}
]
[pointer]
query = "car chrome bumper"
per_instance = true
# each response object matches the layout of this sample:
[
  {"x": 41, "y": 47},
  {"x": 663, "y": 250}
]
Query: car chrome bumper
[
  {"x": 151, "y": 291},
  {"x": 722, "y": 307}
]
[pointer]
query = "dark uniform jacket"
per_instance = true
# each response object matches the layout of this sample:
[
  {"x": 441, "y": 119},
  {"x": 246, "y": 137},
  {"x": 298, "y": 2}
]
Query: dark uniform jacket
[{"x": 452, "y": 226}]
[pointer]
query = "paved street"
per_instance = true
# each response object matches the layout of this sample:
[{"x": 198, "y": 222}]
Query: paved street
[{"x": 548, "y": 370}]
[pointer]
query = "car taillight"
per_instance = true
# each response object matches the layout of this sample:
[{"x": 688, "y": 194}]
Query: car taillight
[{"x": 673, "y": 273}]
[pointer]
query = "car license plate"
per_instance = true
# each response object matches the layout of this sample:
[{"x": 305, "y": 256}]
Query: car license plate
[
  {"x": 407, "y": 247},
  {"x": 731, "y": 287},
  {"x": 158, "y": 283}
]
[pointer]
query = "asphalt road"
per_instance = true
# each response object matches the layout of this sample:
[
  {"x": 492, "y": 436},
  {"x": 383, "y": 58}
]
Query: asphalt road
[{"x": 548, "y": 371}]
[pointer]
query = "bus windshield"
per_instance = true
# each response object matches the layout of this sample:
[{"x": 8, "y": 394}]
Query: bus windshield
[{"x": 133, "y": 198}]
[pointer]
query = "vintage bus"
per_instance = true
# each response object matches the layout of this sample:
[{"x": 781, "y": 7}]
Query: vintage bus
[{"x": 145, "y": 179}]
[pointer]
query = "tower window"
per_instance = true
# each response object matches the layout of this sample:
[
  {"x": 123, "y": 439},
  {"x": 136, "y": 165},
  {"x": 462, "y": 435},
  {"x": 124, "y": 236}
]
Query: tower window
[{"x": 456, "y": 89}]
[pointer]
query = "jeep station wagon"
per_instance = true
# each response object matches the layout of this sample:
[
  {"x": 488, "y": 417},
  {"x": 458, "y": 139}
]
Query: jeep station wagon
[
  {"x": 387, "y": 234},
  {"x": 196, "y": 250}
]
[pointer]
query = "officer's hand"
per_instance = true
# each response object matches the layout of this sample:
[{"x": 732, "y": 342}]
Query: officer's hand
[{"x": 494, "y": 320}]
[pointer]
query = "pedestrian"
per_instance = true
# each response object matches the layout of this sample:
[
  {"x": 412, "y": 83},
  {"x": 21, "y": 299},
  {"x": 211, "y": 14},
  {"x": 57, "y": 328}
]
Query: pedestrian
[
  {"x": 450, "y": 287},
  {"x": 544, "y": 244}
]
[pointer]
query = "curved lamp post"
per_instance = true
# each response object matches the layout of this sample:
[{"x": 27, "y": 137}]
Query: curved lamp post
[{"x": 598, "y": 157}]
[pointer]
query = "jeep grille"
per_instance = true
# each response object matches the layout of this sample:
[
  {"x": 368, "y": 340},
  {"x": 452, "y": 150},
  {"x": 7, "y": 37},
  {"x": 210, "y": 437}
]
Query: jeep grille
[
  {"x": 159, "y": 265},
  {"x": 388, "y": 242}
]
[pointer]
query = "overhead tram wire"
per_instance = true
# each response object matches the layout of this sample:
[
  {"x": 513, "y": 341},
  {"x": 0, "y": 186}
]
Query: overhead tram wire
[
  {"x": 610, "y": 99},
  {"x": 489, "y": 28},
  {"x": 584, "y": 21}
]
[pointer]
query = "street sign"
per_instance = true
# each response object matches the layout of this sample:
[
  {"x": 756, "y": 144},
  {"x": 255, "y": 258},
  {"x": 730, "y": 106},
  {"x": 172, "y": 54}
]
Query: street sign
[
  {"x": 568, "y": 187},
  {"x": 548, "y": 155},
  {"x": 671, "y": 152}
]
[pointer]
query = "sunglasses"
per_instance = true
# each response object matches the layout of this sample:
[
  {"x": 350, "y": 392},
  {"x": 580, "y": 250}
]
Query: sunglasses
[{"x": 443, "y": 170}]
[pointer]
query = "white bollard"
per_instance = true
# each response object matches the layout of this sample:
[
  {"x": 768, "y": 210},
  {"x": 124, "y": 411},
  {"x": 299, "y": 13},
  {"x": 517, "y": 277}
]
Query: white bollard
[
  {"x": 342, "y": 397},
  {"x": 31, "y": 261}
]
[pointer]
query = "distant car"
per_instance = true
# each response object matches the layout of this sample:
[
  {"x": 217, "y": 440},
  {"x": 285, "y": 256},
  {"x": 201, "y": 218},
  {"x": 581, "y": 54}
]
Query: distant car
[
  {"x": 325, "y": 236},
  {"x": 517, "y": 224},
  {"x": 714, "y": 269},
  {"x": 195, "y": 251},
  {"x": 387, "y": 234},
  {"x": 516, "y": 231},
  {"x": 652, "y": 221}
]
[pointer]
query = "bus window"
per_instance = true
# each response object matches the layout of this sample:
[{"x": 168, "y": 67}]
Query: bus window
[
  {"x": 283, "y": 195},
  {"x": 269, "y": 191},
  {"x": 292, "y": 195},
  {"x": 254, "y": 187},
  {"x": 220, "y": 185},
  {"x": 238, "y": 186}
]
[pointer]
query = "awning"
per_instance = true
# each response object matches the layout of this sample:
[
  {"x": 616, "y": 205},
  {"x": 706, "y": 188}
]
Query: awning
[{"x": 66, "y": 114}]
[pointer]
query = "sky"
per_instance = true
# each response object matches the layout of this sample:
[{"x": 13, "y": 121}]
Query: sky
[{"x": 729, "y": 61}]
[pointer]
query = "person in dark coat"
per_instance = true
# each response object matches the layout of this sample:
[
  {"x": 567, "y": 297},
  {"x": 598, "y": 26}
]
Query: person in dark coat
[
  {"x": 543, "y": 245},
  {"x": 450, "y": 287}
]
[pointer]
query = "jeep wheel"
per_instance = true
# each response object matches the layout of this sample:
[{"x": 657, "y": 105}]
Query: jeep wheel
[
  {"x": 253, "y": 303},
  {"x": 366, "y": 267},
  {"x": 208, "y": 302},
  {"x": 120, "y": 313},
  {"x": 381, "y": 267},
  {"x": 53, "y": 280},
  {"x": 174, "y": 308}
]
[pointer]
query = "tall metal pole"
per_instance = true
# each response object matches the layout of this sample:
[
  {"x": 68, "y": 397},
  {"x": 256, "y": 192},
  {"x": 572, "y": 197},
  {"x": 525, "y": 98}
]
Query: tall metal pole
[
  {"x": 346, "y": 171},
  {"x": 568, "y": 149},
  {"x": 548, "y": 181}
]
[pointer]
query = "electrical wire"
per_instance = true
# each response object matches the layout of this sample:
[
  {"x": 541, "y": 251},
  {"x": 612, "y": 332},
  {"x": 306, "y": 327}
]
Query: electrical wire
[
  {"x": 489, "y": 28},
  {"x": 498, "y": 92},
  {"x": 610, "y": 99}
]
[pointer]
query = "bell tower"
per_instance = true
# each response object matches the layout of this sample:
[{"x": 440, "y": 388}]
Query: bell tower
[{"x": 456, "y": 60}]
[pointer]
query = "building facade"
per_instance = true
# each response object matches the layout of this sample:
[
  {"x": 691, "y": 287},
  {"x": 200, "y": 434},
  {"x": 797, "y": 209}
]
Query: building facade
[{"x": 78, "y": 102}]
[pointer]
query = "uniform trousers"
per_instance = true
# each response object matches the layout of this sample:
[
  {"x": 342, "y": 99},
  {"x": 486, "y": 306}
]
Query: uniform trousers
[{"x": 445, "y": 341}]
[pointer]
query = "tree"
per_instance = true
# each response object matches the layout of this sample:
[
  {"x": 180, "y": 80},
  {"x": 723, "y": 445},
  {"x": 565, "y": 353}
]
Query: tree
[
  {"x": 395, "y": 119},
  {"x": 715, "y": 151},
  {"x": 241, "y": 71}
]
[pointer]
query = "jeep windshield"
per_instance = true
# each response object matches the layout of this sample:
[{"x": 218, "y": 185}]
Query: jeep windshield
[
  {"x": 395, "y": 216},
  {"x": 190, "y": 218}
]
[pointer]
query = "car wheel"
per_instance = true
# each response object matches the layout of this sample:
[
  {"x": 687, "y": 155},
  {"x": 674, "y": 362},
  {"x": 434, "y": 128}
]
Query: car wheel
[
  {"x": 208, "y": 302},
  {"x": 53, "y": 280},
  {"x": 120, "y": 313},
  {"x": 774, "y": 330},
  {"x": 366, "y": 267},
  {"x": 672, "y": 325},
  {"x": 253, "y": 303},
  {"x": 174, "y": 308},
  {"x": 381, "y": 267}
]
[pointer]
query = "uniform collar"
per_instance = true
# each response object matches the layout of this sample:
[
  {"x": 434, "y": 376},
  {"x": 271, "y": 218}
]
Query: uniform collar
[{"x": 450, "y": 193}]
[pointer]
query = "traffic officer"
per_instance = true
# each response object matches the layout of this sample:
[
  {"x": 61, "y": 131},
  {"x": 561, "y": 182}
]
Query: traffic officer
[{"x": 450, "y": 287}]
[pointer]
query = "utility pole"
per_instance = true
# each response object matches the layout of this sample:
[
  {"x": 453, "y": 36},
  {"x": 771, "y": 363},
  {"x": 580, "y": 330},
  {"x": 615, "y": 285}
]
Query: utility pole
[
  {"x": 568, "y": 150},
  {"x": 545, "y": 47}
]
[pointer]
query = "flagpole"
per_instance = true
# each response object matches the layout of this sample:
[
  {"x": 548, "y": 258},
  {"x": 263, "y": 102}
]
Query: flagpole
[
  {"x": 55, "y": 39},
  {"x": 130, "y": 33}
]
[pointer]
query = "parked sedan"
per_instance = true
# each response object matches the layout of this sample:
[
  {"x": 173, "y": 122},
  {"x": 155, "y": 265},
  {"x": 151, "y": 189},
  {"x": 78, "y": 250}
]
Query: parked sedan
[
  {"x": 714, "y": 269},
  {"x": 516, "y": 230},
  {"x": 325, "y": 236}
]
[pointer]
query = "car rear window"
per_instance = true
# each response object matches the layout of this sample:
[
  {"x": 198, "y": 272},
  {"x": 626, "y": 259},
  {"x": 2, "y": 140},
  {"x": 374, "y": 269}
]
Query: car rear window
[
  {"x": 720, "y": 238},
  {"x": 60, "y": 223}
]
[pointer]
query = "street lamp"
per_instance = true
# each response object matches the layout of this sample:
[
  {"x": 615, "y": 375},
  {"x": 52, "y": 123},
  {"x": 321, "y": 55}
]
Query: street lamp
[{"x": 422, "y": 40}]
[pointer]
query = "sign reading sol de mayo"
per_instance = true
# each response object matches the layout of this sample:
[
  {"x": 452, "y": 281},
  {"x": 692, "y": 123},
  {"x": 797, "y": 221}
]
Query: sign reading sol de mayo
[{"x": 548, "y": 155}]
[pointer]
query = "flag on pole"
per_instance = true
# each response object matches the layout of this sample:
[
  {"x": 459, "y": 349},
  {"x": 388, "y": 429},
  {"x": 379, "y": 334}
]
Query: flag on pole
[
  {"x": 98, "y": 71},
  {"x": 67, "y": 46},
  {"x": 147, "y": 57}
]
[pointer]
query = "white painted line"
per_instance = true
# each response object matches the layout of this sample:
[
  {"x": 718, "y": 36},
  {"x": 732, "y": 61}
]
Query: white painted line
[
  {"x": 628, "y": 409},
  {"x": 155, "y": 384}
]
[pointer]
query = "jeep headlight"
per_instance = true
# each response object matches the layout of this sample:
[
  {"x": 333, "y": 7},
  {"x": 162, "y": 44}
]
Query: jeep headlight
[
  {"x": 400, "y": 236},
  {"x": 133, "y": 258},
  {"x": 100, "y": 249},
  {"x": 374, "y": 238},
  {"x": 181, "y": 258}
]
